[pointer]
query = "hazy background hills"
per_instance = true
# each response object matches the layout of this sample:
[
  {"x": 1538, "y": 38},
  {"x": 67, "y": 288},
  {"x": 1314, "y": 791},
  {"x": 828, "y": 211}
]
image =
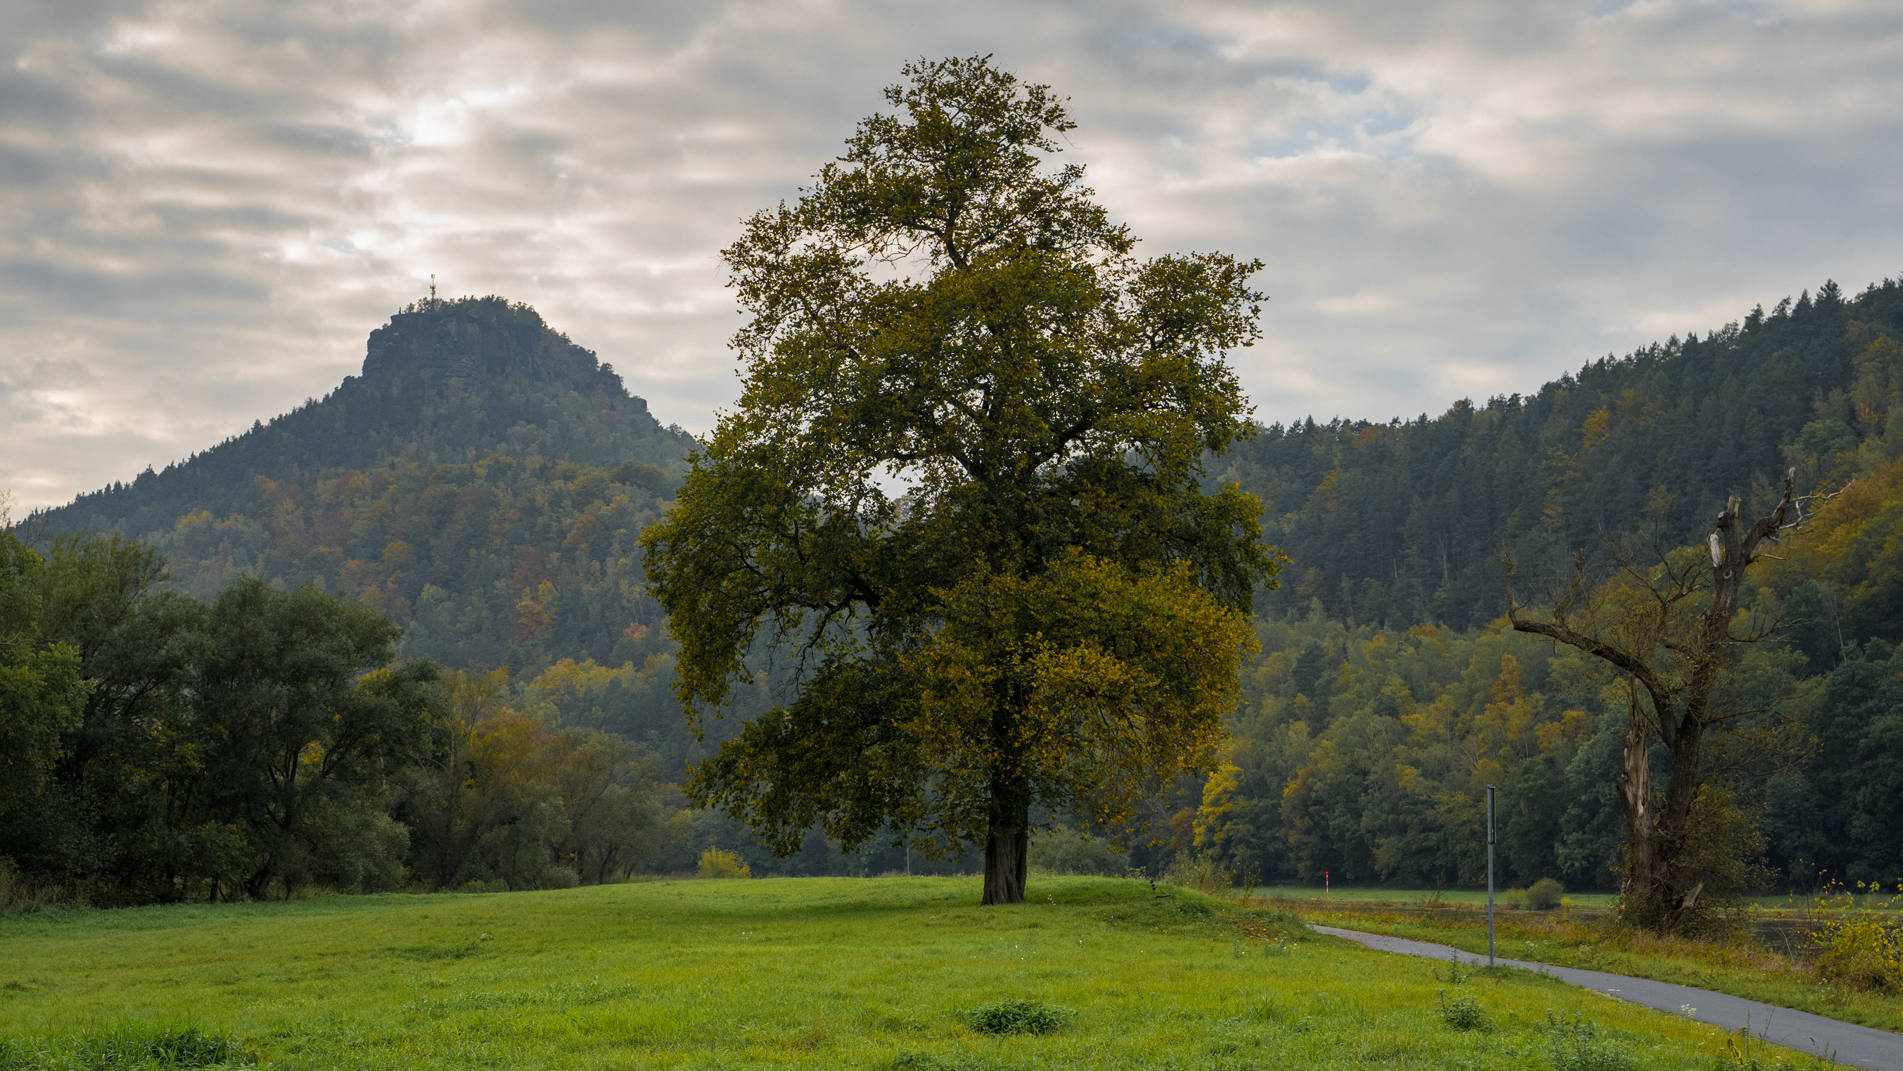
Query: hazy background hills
[{"x": 485, "y": 480}]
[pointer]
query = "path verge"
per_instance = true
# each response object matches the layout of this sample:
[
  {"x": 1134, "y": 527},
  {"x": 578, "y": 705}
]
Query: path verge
[{"x": 1847, "y": 1043}]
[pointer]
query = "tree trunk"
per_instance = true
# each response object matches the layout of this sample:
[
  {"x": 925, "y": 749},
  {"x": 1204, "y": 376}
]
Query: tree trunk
[
  {"x": 1662, "y": 883},
  {"x": 1635, "y": 800},
  {"x": 1008, "y": 842}
]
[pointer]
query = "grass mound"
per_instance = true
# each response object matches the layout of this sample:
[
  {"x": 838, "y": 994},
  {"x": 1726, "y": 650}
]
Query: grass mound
[
  {"x": 126, "y": 1049},
  {"x": 1018, "y": 1016}
]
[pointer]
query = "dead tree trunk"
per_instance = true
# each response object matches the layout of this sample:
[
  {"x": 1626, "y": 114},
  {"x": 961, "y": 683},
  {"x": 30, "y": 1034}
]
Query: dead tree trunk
[{"x": 1673, "y": 662}]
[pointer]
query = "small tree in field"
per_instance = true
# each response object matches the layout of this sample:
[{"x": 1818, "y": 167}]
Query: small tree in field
[
  {"x": 964, "y": 479},
  {"x": 1668, "y": 628}
]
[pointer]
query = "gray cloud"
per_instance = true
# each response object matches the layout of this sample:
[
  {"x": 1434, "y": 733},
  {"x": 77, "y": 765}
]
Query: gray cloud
[{"x": 205, "y": 208}]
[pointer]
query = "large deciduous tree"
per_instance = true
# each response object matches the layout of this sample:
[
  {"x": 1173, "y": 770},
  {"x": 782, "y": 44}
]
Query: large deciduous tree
[
  {"x": 299, "y": 704},
  {"x": 1671, "y": 629},
  {"x": 964, "y": 481}
]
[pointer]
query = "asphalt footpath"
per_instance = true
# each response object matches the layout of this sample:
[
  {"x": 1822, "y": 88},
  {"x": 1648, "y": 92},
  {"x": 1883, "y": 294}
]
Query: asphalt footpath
[{"x": 1846, "y": 1043}]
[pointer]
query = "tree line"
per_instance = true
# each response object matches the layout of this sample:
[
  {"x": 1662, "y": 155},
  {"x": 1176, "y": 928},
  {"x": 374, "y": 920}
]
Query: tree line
[
  {"x": 164, "y": 747},
  {"x": 1362, "y": 748}
]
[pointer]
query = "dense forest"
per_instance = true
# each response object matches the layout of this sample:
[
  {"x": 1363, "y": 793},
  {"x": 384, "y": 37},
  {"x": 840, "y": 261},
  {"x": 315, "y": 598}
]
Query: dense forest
[
  {"x": 1390, "y": 692},
  {"x": 481, "y": 487},
  {"x": 1402, "y": 523}
]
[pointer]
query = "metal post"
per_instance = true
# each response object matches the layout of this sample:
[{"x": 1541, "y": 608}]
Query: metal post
[{"x": 1489, "y": 875}]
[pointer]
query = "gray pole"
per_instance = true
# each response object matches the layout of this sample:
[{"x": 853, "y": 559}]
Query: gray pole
[{"x": 1489, "y": 875}]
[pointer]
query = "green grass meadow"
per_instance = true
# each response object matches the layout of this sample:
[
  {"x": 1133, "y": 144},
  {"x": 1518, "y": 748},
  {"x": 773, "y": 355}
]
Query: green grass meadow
[{"x": 816, "y": 972}]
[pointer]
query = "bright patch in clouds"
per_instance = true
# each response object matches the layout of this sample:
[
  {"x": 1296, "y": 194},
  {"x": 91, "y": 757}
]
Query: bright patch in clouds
[{"x": 205, "y": 208}]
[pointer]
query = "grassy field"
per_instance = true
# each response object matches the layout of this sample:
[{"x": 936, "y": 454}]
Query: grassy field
[
  {"x": 879, "y": 973},
  {"x": 1593, "y": 944}
]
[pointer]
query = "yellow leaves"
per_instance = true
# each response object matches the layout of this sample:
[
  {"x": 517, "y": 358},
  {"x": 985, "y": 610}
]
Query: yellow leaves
[
  {"x": 1094, "y": 678},
  {"x": 1324, "y": 494},
  {"x": 1218, "y": 801},
  {"x": 1885, "y": 351},
  {"x": 534, "y": 614},
  {"x": 1593, "y": 431},
  {"x": 1434, "y": 723},
  {"x": 196, "y": 519},
  {"x": 398, "y": 555},
  {"x": 1566, "y": 735}
]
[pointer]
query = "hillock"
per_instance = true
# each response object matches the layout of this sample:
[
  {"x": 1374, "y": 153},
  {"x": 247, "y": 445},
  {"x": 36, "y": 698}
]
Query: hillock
[{"x": 483, "y": 482}]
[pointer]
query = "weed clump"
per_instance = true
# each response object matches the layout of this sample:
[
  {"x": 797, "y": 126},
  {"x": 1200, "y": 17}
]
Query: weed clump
[
  {"x": 925, "y": 1061},
  {"x": 1575, "y": 1045},
  {"x": 1462, "y": 1013},
  {"x": 1018, "y": 1016},
  {"x": 126, "y": 1050}
]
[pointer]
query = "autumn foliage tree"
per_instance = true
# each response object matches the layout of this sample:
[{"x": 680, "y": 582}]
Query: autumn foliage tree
[
  {"x": 963, "y": 482},
  {"x": 1672, "y": 629}
]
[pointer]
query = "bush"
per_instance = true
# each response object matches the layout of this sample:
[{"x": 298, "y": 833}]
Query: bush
[
  {"x": 715, "y": 863},
  {"x": 1862, "y": 945},
  {"x": 1462, "y": 1013},
  {"x": 1862, "y": 953},
  {"x": 1064, "y": 851},
  {"x": 1544, "y": 895},
  {"x": 1014, "y": 1016}
]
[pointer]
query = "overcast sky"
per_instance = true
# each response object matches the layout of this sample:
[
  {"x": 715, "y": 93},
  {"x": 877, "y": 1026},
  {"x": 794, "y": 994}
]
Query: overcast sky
[{"x": 205, "y": 207}]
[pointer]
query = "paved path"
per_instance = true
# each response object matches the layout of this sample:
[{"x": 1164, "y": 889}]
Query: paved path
[{"x": 1849, "y": 1044}]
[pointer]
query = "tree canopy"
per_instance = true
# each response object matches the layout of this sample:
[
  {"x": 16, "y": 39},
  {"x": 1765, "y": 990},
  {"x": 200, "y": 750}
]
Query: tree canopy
[{"x": 965, "y": 482}]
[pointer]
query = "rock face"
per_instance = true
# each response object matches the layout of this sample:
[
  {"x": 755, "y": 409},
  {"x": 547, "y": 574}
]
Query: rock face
[
  {"x": 458, "y": 343},
  {"x": 476, "y": 339}
]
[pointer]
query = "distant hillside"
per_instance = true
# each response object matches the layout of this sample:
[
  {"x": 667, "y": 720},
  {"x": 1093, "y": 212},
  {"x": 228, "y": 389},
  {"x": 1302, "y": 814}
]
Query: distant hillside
[
  {"x": 1402, "y": 523},
  {"x": 484, "y": 481}
]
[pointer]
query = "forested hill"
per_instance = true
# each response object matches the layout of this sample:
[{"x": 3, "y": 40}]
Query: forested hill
[
  {"x": 1402, "y": 523},
  {"x": 484, "y": 481}
]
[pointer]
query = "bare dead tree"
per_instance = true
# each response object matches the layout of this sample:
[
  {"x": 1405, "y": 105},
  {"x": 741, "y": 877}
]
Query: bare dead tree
[{"x": 1667, "y": 628}]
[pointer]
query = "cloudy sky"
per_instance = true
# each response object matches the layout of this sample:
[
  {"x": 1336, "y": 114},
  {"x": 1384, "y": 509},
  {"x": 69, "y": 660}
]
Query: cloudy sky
[{"x": 205, "y": 207}]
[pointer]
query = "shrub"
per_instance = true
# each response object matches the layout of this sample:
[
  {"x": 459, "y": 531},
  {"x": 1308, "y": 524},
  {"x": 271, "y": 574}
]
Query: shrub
[
  {"x": 1462, "y": 1013},
  {"x": 715, "y": 863},
  {"x": 1575, "y": 1045},
  {"x": 1544, "y": 895},
  {"x": 1862, "y": 948},
  {"x": 1064, "y": 851},
  {"x": 1016, "y": 1016},
  {"x": 1513, "y": 899}
]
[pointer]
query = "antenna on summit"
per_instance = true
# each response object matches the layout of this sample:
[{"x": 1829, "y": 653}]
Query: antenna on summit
[{"x": 432, "y": 288}]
